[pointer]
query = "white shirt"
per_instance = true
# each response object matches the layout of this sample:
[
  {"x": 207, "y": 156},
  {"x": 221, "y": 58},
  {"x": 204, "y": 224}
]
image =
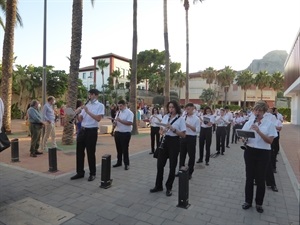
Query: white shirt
[
  {"x": 153, "y": 120},
  {"x": 96, "y": 108},
  {"x": 179, "y": 124},
  {"x": 279, "y": 117},
  {"x": 1, "y": 113},
  {"x": 267, "y": 128},
  {"x": 270, "y": 117},
  {"x": 238, "y": 120},
  {"x": 211, "y": 118},
  {"x": 229, "y": 116},
  {"x": 126, "y": 115},
  {"x": 194, "y": 121},
  {"x": 221, "y": 122}
]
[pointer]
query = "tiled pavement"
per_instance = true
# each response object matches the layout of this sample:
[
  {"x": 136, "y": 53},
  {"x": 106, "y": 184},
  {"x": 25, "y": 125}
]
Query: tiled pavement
[{"x": 216, "y": 194}]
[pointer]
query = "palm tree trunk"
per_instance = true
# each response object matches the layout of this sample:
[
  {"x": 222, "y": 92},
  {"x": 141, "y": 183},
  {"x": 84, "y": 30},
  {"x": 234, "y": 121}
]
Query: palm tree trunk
[
  {"x": 187, "y": 57},
  {"x": 134, "y": 69},
  {"x": 261, "y": 94},
  {"x": 244, "y": 106},
  {"x": 67, "y": 137},
  {"x": 167, "y": 54},
  {"x": 103, "y": 98},
  {"x": 7, "y": 61}
]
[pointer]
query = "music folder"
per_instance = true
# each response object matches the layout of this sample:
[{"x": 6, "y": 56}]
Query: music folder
[{"x": 245, "y": 133}]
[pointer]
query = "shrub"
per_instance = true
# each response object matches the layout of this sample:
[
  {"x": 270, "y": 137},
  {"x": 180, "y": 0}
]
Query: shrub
[{"x": 286, "y": 113}]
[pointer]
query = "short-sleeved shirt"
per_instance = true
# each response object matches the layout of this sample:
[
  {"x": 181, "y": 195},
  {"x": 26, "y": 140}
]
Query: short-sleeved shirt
[
  {"x": 266, "y": 127},
  {"x": 154, "y": 120},
  {"x": 179, "y": 124},
  {"x": 126, "y": 115},
  {"x": 95, "y": 108},
  {"x": 211, "y": 119},
  {"x": 194, "y": 121}
]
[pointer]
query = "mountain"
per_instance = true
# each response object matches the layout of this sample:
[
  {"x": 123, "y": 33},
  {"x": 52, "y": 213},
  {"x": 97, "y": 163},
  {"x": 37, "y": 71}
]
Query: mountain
[{"x": 271, "y": 62}]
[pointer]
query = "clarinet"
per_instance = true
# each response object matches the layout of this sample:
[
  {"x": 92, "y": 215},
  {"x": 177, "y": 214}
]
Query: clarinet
[
  {"x": 72, "y": 120},
  {"x": 114, "y": 124},
  {"x": 244, "y": 147}
]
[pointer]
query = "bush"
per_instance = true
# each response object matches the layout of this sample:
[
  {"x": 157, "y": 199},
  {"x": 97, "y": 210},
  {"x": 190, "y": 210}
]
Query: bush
[
  {"x": 286, "y": 113},
  {"x": 16, "y": 113},
  {"x": 158, "y": 100}
]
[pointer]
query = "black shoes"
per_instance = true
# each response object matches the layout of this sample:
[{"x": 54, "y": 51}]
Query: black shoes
[
  {"x": 91, "y": 177},
  {"x": 151, "y": 153},
  {"x": 207, "y": 164},
  {"x": 38, "y": 153},
  {"x": 218, "y": 153},
  {"x": 77, "y": 176},
  {"x": 117, "y": 165},
  {"x": 199, "y": 161},
  {"x": 33, "y": 155},
  {"x": 227, "y": 146},
  {"x": 246, "y": 206},
  {"x": 190, "y": 176},
  {"x": 274, "y": 188},
  {"x": 222, "y": 153},
  {"x": 259, "y": 209},
  {"x": 126, "y": 167},
  {"x": 168, "y": 193},
  {"x": 156, "y": 189}
]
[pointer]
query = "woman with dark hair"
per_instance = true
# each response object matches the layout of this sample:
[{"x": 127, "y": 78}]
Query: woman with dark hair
[
  {"x": 206, "y": 120},
  {"x": 154, "y": 134},
  {"x": 257, "y": 154},
  {"x": 174, "y": 128}
]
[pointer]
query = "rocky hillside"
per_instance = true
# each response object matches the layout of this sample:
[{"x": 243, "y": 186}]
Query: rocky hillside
[{"x": 272, "y": 62}]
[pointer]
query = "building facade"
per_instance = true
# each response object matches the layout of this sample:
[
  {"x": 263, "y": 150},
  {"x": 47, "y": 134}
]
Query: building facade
[{"x": 292, "y": 80}]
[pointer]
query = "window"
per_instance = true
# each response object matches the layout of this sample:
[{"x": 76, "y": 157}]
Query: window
[
  {"x": 123, "y": 70},
  {"x": 83, "y": 76},
  {"x": 91, "y": 75}
]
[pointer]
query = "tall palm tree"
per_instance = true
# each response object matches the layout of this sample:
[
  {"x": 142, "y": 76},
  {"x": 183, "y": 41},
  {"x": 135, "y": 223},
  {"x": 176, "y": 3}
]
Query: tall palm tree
[
  {"x": 262, "y": 80},
  {"x": 167, "y": 55},
  {"x": 73, "y": 83},
  {"x": 245, "y": 80},
  {"x": 133, "y": 78},
  {"x": 186, "y": 5},
  {"x": 210, "y": 75},
  {"x": 179, "y": 79},
  {"x": 277, "y": 82},
  {"x": 7, "y": 61},
  {"x": 225, "y": 78},
  {"x": 102, "y": 64},
  {"x": 116, "y": 74},
  {"x": 3, "y": 8}
]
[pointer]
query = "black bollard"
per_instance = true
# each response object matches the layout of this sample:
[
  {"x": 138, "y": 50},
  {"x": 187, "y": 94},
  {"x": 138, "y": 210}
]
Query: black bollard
[
  {"x": 52, "y": 159},
  {"x": 15, "y": 150},
  {"x": 105, "y": 172},
  {"x": 183, "y": 192}
]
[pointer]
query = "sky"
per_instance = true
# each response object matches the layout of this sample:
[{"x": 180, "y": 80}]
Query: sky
[{"x": 221, "y": 32}]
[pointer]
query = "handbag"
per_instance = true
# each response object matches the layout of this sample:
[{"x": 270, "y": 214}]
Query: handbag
[{"x": 4, "y": 141}]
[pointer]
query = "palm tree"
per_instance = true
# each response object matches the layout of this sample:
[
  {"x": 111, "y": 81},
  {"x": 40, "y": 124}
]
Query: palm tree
[
  {"x": 186, "y": 5},
  {"x": 167, "y": 55},
  {"x": 277, "y": 82},
  {"x": 73, "y": 83},
  {"x": 245, "y": 80},
  {"x": 208, "y": 96},
  {"x": 116, "y": 74},
  {"x": 101, "y": 65},
  {"x": 3, "y": 8},
  {"x": 133, "y": 78},
  {"x": 7, "y": 61},
  {"x": 210, "y": 75},
  {"x": 225, "y": 78},
  {"x": 262, "y": 80},
  {"x": 179, "y": 79}
]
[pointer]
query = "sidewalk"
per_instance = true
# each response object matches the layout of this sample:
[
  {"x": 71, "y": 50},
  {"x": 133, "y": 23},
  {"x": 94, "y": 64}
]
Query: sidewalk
[{"x": 31, "y": 195}]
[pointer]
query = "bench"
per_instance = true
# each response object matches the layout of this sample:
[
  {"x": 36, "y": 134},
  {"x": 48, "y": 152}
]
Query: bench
[{"x": 105, "y": 129}]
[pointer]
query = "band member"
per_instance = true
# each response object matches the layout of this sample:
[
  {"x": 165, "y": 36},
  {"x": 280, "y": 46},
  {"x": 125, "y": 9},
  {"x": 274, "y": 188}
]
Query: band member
[
  {"x": 221, "y": 122},
  {"x": 206, "y": 122},
  {"x": 257, "y": 155},
  {"x": 89, "y": 116},
  {"x": 123, "y": 127},
  {"x": 188, "y": 144},
  {"x": 275, "y": 144},
  {"x": 154, "y": 133},
  {"x": 238, "y": 122},
  {"x": 229, "y": 117},
  {"x": 175, "y": 128}
]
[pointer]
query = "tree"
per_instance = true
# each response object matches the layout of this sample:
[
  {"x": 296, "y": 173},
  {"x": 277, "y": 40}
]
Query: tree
[
  {"x": 7, "y": 61},
  {"x": 56, "y": 82},
  {"x": 133, "y": 78},
  {"x": 210, "y": 75},
  {"x": 225, "y": 78},
  {"x": 186, "y": 5},
  {"x": 245, "y": 80},
  {"x": 208, "y": 96},
  {"x": 102, "y": 64},
  {"x": 3, "y": 8},
  {"x": 262, "y": 80},
  {"x": 116, "y": 74},
  {"x": 67, "y": 137},
  {"x": 167, "y": 54},
  {"x": 179, "y": 79}
]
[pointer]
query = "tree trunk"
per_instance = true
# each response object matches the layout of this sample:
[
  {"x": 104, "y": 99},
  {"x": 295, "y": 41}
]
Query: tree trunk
[
  {"x": 225, "y": 100},
  {"x": 187, "y": 57},
  {"x": 244, "y": 106},
  {"x": 134, "y": 69},
  {"x": 261, "y": 94},
  {"x": 67, "y": 138},
  {"x": 103, "y": 97},
  {"x": 167, "y": 55},
  {"x": 7, "y": 61}
]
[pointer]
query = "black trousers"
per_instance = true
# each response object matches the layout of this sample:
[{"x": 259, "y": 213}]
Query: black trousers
[
  {"x": 122, "y": 140},
  {"x": 170, "y": 151},
  {"x": 86, "y": 139},
  {"x": 205, "y": 139},
  {"x": 154, "y": 134},
  {"x": 270, "y": 179},
  {"x": 188, "y": 146},
  {"x": 275, "y": 149},
  {"x": 234, "y": 135},
  {"x": 220, "y": 139},
  {"x": 256, "y": 161},
  {"x": 228, "y": 134}
]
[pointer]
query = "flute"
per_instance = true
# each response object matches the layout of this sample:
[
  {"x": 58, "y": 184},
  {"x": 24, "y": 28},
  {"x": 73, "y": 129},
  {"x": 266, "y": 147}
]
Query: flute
[{"x": 72, "y": 120}]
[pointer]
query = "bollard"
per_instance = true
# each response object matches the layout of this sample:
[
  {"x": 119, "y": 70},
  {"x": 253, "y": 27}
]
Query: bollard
[
  {"x": 52, "y": 159},
  {"x": 105, "y": 172},
  {"x": 15, "y": 150},
  {"x": 183, "y": 192}
]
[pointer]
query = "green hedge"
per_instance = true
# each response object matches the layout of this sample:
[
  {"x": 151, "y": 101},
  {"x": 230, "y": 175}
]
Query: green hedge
[{"x": 286, "y": 113}]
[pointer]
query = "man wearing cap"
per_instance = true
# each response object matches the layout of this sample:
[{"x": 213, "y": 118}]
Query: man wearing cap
[{"x": 89, "y": 116}]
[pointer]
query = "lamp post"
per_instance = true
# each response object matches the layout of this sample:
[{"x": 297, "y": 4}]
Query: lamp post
[{"x": 44, "y": 81}]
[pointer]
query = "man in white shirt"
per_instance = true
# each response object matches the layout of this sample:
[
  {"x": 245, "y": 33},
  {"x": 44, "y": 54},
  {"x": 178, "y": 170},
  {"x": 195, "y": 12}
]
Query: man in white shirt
[
  {"x": 89, "y": 116},
  {"x": 123, "y": 122},
  {"x": 229, "y": 118}
]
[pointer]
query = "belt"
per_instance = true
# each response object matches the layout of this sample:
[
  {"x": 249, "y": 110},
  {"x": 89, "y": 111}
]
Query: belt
[
  {"x": 168, "y": 136},
  {"x": 89, "y": 128},
  {"x": 36, "y": 123},
  {"x": 127, "y": 132},
  {"x": 190, "y": 135}
]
